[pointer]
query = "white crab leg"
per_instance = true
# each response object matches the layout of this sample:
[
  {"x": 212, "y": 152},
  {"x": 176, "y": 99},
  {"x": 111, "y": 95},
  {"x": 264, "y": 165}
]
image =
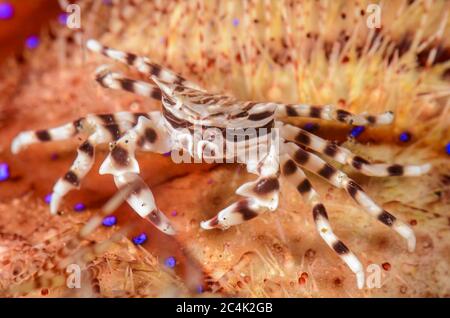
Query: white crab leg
[
  {"x": 102, "y": 128},
  {"x": 71, "y": 180},
  {"x": 143, "y": 202},
  {"x": 117, "y": 81},
  {"x": 341, "y": 180},
  {"x": 262, "y": 194},
  {"x": 142, "y": 64},
  {"x": 106, "y": 128},
  {"x": 296, "y": 177},
  {"x": 345, "y": 156},
  {"x": 148, "y": 135},
  {"x": 331, "y": 113},
  {"x": 26, "y": 138}
]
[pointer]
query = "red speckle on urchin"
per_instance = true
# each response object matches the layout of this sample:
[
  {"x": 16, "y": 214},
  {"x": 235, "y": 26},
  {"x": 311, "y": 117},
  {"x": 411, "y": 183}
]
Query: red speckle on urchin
[
  {"x": 303, "y": 278},
  {"x": 413, "y": 222},
  {"x": 44, "y": 292},
  {"x": 337, "y": 282},
  {"x": 310, "y": 254},
  {"x": 386, "y": 266}
]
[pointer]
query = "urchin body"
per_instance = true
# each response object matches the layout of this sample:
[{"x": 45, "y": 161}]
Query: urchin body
[{"x": 192, "y": 121}]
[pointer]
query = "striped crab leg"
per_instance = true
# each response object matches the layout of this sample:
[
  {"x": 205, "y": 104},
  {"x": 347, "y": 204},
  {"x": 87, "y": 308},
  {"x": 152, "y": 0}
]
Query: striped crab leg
[
  {"x": 148, "y": 135},
  {"x": 296, "y": 177},
  {"x": 331, "y": 113},
  {"x": 345, "y": 156},
  {"x": 26, "y": 138},
  {"x": 113, "y": 123},
  {"x": 262, "y": 195},
  {"x": 142, "y": 64},
  {"x": 117, "y": 81},
  {"x": 339, "y": 179},
  {"x": 100, "y": 128}
]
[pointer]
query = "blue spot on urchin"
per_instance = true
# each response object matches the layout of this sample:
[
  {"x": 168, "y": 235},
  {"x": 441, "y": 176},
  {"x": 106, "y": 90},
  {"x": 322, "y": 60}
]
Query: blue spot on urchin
[
  {"x": 356, "y": 131},
  {"x": 235, "y": 22},
  {"x": 48, "y": 198},
  {"x": 62, "y": 18},
  {"x": 109, "y": 221},
  {"x": 167, "y": 154},
  {"x": 4, "y": 171},
  {"x": 140, "y": 239},
  {"x": 6, "y": 11},
  {"x": 79, "y": 207},
  {"x": 447, "y": 148},
  {"x": 170, "y": 262},
  {"x": 32, "y": 42},
  {"x": 405, "y": 136},
  {"x": 199, "y": 289}
]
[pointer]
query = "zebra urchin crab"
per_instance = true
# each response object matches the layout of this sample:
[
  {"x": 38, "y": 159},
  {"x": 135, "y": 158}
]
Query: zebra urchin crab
[{"x": 193, "y": 121}]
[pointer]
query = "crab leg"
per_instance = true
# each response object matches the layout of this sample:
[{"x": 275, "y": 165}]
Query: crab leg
[
  {"x": 148, "y": 135},
  {"x": 102, "y": 128},
  {"x": 142, "y": 64},
  {"x": 339, "y": 179},
  {"x": 143, "y": 202},
  {"x": 112, "y": 80},
  {"x": 296, "y": 177},
  {"x": 26, "y": 138},
  {"x": 345, "y": 156},
  {"x": 262, "y": 195},
  {"x": 114, "y": 123},
  {"x": 331, "y": 113}
]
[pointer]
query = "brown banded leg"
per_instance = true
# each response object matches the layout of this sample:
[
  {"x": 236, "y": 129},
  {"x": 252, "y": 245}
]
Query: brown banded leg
[
  {"x": 106, "y": 128},
  {"x": 339, "y": 179},
  {"x": 345, "y": 156},
  {"x": 331, "y": 113},
  {"x": 114, "y": 123},
  {"x": 143, "y": 202},
  {"x": 142, "y": 64},
  {"x": 64, "y": 132},
  {"x": 148, "y": 135},
  {"x": 71, "y": 180},
  {"x": 296, "y": 177},
  {"x": 83, "y": 162},
  {"x": 237, "y": 213},
  {"x": 101, "y": 128},
  {"x": 117, "y": 81},
  {"x": 262, "y": 195}
]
